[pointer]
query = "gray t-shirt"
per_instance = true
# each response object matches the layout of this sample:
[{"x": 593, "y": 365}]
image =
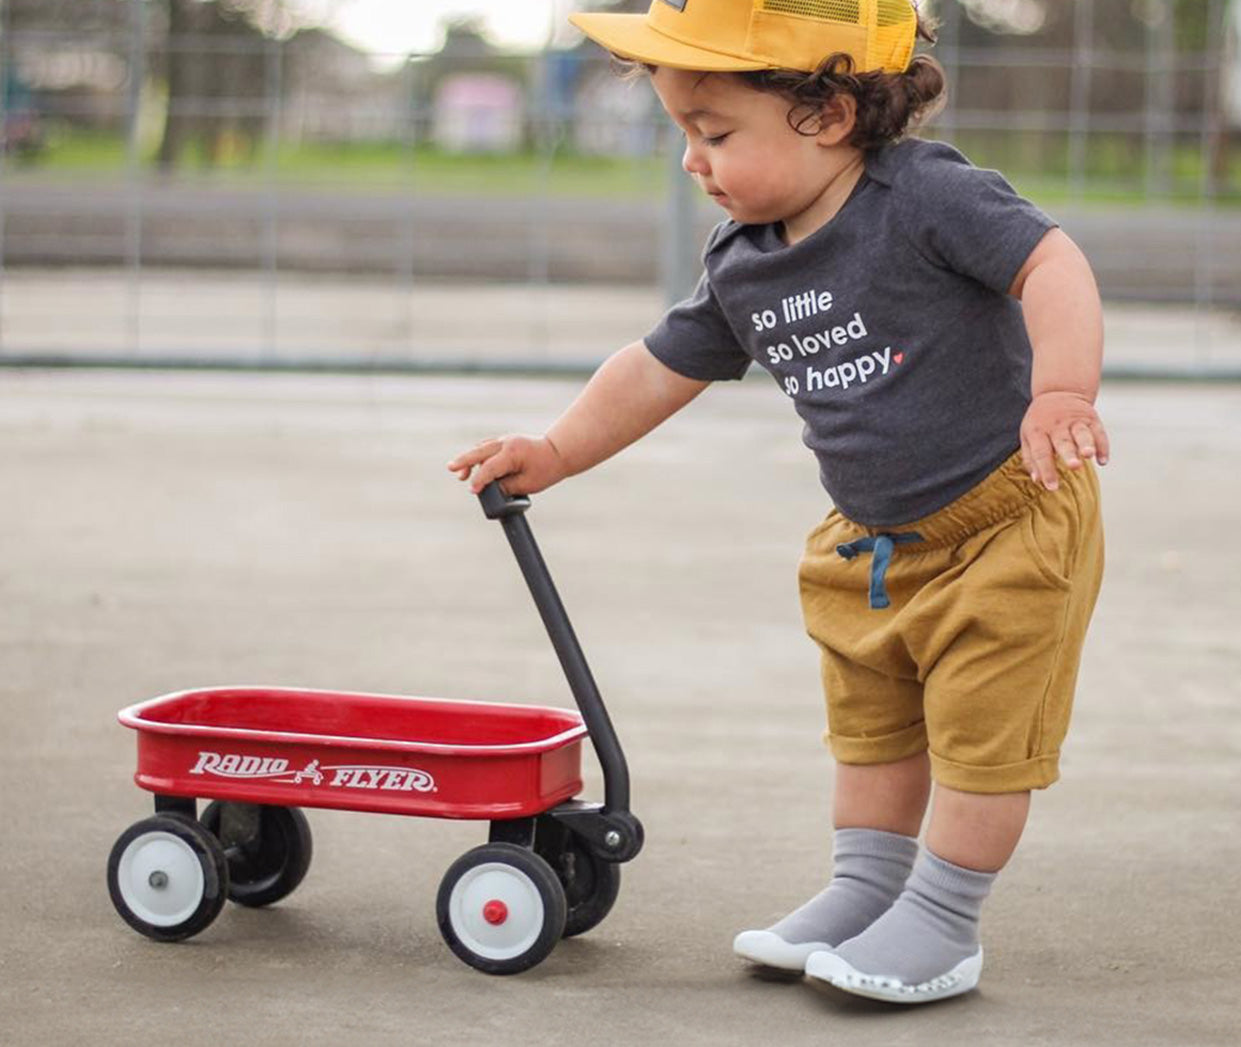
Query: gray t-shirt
[{"x": 890, "y": 328}]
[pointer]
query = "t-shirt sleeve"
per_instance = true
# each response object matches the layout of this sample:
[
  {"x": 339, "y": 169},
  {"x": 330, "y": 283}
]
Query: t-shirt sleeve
[
  {"x": 694, "y": 339},
  {"x": 968, "y": 219}
]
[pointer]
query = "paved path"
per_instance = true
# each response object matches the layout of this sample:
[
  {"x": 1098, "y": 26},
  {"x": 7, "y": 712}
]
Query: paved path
[
  {"x": 163, "y": 532},
  {"x": 170, "y": 315}
]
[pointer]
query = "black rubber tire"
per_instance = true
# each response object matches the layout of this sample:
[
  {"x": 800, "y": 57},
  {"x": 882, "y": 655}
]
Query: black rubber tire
[
  {"x": 590, "y": 884},
  {"x": 210, "y": 857},
  {"x": 525, "y": 864},
  {"x": 268, "y": 867}
]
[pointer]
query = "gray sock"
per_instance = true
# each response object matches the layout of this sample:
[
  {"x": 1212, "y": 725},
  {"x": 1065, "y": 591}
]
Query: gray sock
[
  {"x": 869, "y": 869},
  {"x": 931, "y": 928}
]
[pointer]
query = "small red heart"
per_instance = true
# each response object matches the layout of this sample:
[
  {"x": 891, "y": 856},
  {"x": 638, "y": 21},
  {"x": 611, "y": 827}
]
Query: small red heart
[{"x": 899, "y": 357}]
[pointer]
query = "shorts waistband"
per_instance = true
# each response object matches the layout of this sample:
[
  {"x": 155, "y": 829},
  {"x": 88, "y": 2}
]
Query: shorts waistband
[{"x": 1004, "y": 494}]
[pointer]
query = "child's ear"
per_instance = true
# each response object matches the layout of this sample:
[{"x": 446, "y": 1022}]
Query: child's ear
[{"x": 837, "y": 119}]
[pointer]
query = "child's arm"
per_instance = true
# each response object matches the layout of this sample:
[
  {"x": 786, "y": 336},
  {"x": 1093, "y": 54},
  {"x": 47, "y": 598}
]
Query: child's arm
[
  {"x": 625, "y": 399},
  {"x": 1064, "y": 319}
]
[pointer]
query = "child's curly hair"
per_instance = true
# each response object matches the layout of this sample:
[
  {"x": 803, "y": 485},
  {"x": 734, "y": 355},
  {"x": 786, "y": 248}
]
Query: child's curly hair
[{"x": 889, "y": 105}]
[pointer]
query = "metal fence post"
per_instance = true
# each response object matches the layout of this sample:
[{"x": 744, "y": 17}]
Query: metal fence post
[
  {"x": 679, "y": 250},
  {"x": 409, "y": 226},
  {"x": 133, "y": 155},
  {"x": 1160, "y": 25},
  {"x": 6, "y": 23},
  {"x": 948, "y": 51},
  {"x": 546, "y": 141},
  {"x": 1079, "y": 97},
  {"x": 1204, "y": 257},
  {"x": 273, "y": 64}
]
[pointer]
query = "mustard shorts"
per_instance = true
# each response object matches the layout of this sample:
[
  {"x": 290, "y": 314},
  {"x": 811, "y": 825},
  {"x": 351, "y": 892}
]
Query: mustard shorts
[{"x": 975, "y": 655}]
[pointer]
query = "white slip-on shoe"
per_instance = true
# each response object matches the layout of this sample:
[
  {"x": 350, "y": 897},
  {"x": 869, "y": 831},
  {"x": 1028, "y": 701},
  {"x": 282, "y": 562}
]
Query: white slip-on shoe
[
  {"x": 828, "y": 967},
  {"x": 771, "y": 950}
]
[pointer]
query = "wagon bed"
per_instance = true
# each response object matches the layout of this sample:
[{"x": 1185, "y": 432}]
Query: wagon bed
[{"x": 354, "y": 751}]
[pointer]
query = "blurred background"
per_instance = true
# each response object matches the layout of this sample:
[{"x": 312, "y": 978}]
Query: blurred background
[{"x": 460, "y": 184}]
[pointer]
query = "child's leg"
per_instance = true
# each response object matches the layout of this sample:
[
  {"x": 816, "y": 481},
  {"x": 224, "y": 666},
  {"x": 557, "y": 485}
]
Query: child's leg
[
  {"x": 976, "y": 830},
  {"x": 887, "y": 796},
  {"x": 878, "y": 813},
  {"x": 926, "y": 945}
]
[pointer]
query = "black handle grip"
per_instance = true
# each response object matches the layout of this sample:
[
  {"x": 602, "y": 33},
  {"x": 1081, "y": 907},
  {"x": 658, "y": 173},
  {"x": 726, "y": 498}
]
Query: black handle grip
[{"x": 497, "y": 505}]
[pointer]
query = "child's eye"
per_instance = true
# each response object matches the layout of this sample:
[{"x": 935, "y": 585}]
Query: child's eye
[{"x": 710, "y": 140}]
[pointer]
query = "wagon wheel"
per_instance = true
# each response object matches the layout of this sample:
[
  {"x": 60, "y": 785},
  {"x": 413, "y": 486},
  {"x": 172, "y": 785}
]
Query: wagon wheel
[
  {"x": 500, "y": 908},
  {"x": 590, "y": 883},
  {"x": 268, "y": 849},
  {"x": 167, "y": 877}
]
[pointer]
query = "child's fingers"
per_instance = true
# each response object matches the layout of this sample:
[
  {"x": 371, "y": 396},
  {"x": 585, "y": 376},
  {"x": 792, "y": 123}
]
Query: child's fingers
[
  {"x": 1043, "y": 461},
  {"x": 1066, "y": 447},
  {"x": 1091, "y": 440},
  {"x": 494, "y": 468},
  {"x": 1103, "y": 446},
  {"x": 463, "y": 463},
  {"x": 1083, "y": 437}
]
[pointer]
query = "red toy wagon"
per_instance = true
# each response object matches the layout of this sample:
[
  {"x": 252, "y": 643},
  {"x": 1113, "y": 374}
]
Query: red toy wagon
[{"x": 259, "y": 754}]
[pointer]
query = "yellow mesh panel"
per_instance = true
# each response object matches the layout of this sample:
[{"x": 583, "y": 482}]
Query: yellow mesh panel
[
  {"x": 891, "y": 42},
  {"x": 887, "y": 26},
  {"x": 888, "y": 12},
  {"x": 824, "y": 10},
  {"x": 893, "y": 12}
]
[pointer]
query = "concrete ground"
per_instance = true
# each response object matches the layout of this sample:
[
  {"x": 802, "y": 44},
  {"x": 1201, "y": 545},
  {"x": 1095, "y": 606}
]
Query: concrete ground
[{"x": 169, "y": 531}]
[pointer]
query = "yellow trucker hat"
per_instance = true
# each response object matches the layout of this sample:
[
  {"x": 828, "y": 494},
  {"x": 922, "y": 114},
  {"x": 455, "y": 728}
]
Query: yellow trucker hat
[{"x": 737, "y": 35}]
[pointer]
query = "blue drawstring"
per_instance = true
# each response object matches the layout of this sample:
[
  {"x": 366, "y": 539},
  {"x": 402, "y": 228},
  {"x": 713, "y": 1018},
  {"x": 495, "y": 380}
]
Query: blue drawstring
[{"x": 880, "y": 546}]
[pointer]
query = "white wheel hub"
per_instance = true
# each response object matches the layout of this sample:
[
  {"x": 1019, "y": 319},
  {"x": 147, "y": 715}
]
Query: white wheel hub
[
  {"x": 161, "y": 879},
  {"x": 496, "y": 911}
]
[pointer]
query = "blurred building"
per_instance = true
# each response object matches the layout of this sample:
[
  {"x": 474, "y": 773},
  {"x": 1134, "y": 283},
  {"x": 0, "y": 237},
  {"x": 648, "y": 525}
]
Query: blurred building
[
  {"x": 334, "y": 92},
  {"x": 613, "y": 116},
  {"x": 472, "y": 94},
  {"x": 478, "y": 113}
]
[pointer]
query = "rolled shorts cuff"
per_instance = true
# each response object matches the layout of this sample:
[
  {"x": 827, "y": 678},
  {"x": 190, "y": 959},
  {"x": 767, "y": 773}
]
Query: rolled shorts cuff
[
  {"x": 1038, "y": 772},
  {"x": 883, "y": 748}
]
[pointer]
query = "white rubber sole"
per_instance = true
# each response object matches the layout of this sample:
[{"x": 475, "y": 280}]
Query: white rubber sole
[
  {"x": 771, "y": 950},
  {"x": 828, "y": 967}
]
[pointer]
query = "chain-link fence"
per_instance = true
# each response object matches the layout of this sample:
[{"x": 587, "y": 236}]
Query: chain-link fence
[{"x": 231, "y": 182}]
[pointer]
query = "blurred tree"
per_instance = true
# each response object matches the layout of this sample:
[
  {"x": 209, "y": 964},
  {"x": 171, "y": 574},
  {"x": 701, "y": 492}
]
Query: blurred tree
[
  {"x": 25, "y": 15},
  {"x": 209, "y": 56},
  {"x": 221, "y": 75},
  {"x": 215, "y": 71},
  {"x": 1193, "y": 28}
]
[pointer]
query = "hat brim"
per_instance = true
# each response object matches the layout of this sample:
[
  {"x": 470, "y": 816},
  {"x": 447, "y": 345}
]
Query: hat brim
[{"x": 631, "y": 36}]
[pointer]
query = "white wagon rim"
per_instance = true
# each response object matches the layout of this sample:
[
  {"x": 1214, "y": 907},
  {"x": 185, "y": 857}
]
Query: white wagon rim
[
  {"x": 496, "y": 911},
  {"x": 161, "y": 879}
]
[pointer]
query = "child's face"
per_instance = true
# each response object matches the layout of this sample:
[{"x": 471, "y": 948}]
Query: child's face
[{"x": 740, "y": 148}]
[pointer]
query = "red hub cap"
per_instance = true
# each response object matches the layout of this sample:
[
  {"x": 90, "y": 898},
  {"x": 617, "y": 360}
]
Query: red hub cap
[{"x": 495, "y": 911}]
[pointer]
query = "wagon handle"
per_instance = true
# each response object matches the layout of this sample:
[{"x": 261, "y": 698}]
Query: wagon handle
[{"x": 510, "y": 511}]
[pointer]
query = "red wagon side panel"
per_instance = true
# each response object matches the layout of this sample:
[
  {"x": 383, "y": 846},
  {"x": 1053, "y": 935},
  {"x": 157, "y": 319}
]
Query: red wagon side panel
[{"x": 267, "y": 745}]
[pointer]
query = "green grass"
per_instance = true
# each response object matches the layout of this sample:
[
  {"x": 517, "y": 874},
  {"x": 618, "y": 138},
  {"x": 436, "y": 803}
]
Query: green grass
[
  {"x": 1113, "y": 168},
  {"x": 75, "y": 152},
  {"x": 1037, "y": 164},
  {"x": 372, "y": 166}
]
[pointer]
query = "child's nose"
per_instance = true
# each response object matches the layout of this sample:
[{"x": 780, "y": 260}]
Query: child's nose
[{"x": 693, "y": 162}]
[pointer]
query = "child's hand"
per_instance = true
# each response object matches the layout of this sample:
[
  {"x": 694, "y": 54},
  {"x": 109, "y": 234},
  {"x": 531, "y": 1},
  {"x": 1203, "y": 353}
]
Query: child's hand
[
  {"x": 1065, "y": 424},
  {"x": 527, "y": 464}
]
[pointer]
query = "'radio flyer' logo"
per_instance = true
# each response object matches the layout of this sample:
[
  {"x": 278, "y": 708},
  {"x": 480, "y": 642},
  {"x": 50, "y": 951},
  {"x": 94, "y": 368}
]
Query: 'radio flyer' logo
[{"x": 343, "y": 776}]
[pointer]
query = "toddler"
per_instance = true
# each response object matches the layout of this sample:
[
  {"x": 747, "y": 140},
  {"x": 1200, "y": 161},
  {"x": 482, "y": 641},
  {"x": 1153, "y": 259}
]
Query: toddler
[{"x": 941, "y": 339}]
